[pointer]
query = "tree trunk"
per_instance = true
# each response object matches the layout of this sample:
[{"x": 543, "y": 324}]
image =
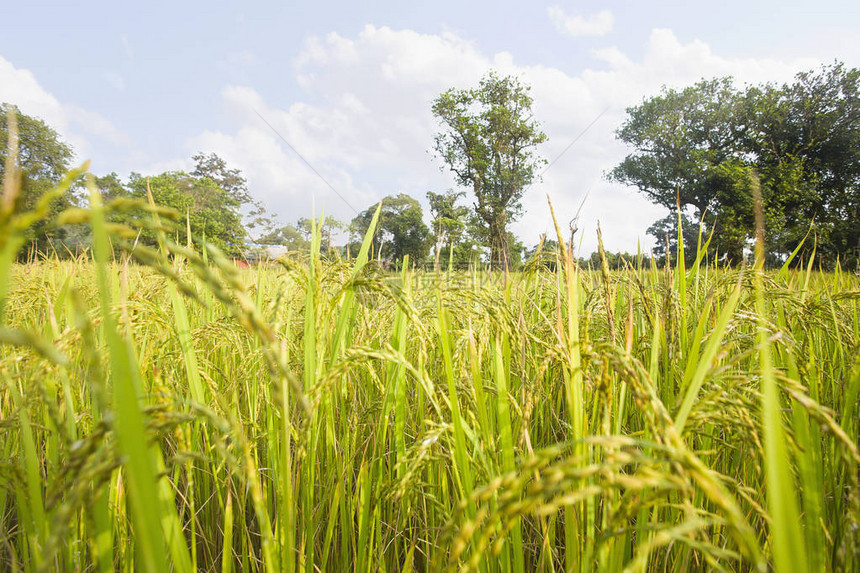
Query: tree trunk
[{"x": 499, "y": 254}]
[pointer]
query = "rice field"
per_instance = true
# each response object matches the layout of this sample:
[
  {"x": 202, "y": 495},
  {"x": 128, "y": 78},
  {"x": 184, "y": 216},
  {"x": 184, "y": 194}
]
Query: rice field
[{"x": 163, "y": 410}]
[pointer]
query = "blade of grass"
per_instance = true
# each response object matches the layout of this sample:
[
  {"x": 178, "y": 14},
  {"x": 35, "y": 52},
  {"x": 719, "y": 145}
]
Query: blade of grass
[
  {"x": 506, "y": 442},
  {"x": 706, "y": 361},
  {"x": 129, "y": 419},
  {"x": 788, "y": 546}
]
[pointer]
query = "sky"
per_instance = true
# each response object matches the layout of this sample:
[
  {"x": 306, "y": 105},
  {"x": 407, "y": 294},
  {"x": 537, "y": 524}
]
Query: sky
[{"x": 143, "y": 86}]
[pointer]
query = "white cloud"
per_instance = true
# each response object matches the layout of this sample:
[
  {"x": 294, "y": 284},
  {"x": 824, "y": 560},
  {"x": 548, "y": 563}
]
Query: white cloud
[
  {"x": 91, "y": 123},
  {"x": 365, "y": 124},
  {"x": 77, "y": 126},
  {"x": 598, "y": 24},
  {"x": 19, "y": 87},
  {"x": 612, "y": 56},
  {"x": 367, "y": 133}
]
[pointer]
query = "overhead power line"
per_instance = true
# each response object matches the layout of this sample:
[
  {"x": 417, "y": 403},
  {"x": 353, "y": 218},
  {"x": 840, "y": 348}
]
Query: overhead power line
[
  {"x": 575, "y": 139},
  {"x": 324, "y": 180}
]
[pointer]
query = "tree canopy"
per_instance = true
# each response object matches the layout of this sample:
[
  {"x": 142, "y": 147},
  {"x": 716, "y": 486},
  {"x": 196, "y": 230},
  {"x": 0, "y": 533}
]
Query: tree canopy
[
  {"x": 42, "y": 159},
  {"x": 212, "y": 211},
  {"x": 400, "y": 231},
  {"x": 298, "y": 236},
  {"x": 232, "y": 181},
  {"x": 448, "y": 220},
  {"x": 211, "y": 196},
  {"x": 699, "y": 147},
  {"x": 42, "y": 155},
  {"x": 288, "y": 235},
  {"x": 488, "y": 140}
]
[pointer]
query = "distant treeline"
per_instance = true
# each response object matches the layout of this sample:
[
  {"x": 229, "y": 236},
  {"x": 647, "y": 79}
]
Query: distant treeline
[{"x": 696, "y": 151}]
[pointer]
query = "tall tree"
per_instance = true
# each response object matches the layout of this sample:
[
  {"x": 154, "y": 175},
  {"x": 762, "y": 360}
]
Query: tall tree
[
  {"x": 665, "y": 232},
  {"x": 212, "y": 211},
  {"x": 329, "y": 226},
  {"x": 807, "y": 138},
  {"x": 684, "y": 141},
  {"x": 699, "y": 147},
  {"x": 110, "y": 186},
  {"x": 448, "y": 220},
  {"x": 288, "y": 236},
  {"x": 400, "y": 231},
  {"x": 43, "y": 158},
  {"x": 488, "y": 140},
  {"x": 232, "y": 181}
]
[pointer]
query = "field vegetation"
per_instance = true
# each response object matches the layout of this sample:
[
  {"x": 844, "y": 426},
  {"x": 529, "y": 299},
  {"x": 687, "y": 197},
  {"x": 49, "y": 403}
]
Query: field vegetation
[{"x": 164, "y": 410}]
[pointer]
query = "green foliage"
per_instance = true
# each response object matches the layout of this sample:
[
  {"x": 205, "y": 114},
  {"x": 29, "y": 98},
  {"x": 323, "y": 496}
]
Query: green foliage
[
  {"x": 317, "y": 415},
  {"x": 448, "y": 220},
  {"x": 456, "y": 231},
  {"x": 289, "y": 236},
  {"x": 665, "y": 231},
  {"x": 212, "y": 195},
  {"x": 110, "y": 187},
  {"x": 298, "y": 237},
  {"x": 807, "y": 138},
  {"x": 42, "y": 160},
  {"x": 700, "y": 146},
  {"x": 215, "y": 169},
  {"x": 544, "y": 255},
  {"x": 488, "y": 142},
  {"x": 425, "y": 422},
  {"x": 42, "y": 155},
  {"x": 516, "y": 252},
  {"x": 231, "y": 180},
  {"x": 684, "y": 141},
  {"x": 615, "y": 261},
  {"x": 211, "y": 211},
  {"x": 401, "y": 230},
  {"x": 328, "y": 226}
]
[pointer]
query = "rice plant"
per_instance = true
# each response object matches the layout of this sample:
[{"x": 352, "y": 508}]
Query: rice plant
[{"x": 163, "y": 410}]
